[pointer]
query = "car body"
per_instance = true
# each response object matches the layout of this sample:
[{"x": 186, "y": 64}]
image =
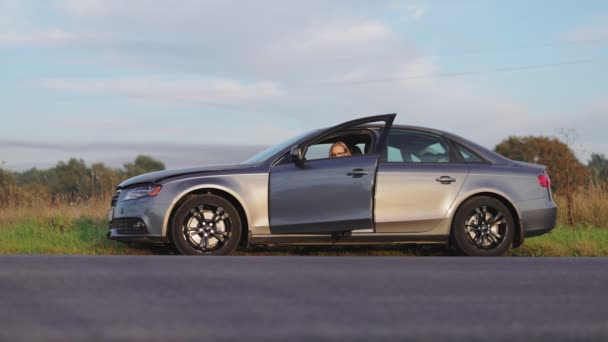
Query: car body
[{"x": 402, "y": 184}]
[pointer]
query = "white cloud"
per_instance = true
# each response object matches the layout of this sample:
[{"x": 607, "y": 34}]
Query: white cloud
[
  {"x": 13, "y": 15},
  {"x": 418, "y": 67},
  {"x": 106, "y": 43},
  {"x": 416, "y": 11},
  {"x": 409, "y": 11},
  {"x": 184, "y": 89},
  {"x": 85, "y": 8},
  {"x": 50, "y": 37},
  {"x": 322, "y": 52},
  {"x": 597, "y": 30},
  {"x": 305, "y": 59},
  {"x": 338, "y": 35},
  {"x": 293, "y": 60},
  {"x": 82, "y": 124}
]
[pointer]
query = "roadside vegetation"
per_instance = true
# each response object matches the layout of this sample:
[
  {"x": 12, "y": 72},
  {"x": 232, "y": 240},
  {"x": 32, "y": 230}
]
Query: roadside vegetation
[
  {"x": 59, "y": 229},
  {"x": 63, "y": 210},
  {"x": 82, "y": 230}
]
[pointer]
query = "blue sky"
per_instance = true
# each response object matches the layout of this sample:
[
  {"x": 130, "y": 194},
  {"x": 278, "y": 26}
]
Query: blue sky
[{"x": 200, "y": 82}]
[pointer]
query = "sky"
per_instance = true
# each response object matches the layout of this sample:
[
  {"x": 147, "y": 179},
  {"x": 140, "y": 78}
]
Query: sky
[{"x": 195, "y": 82}]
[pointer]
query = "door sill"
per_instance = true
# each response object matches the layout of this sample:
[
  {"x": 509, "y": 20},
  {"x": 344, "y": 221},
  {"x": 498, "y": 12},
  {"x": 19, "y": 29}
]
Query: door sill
[
  {"x": 363, "y": 231},
  {"x": 354, "y": 239}
]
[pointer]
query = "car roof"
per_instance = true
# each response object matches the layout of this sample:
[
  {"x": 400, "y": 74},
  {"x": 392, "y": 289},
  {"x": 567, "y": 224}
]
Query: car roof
[{"x": 417, "y": 128}]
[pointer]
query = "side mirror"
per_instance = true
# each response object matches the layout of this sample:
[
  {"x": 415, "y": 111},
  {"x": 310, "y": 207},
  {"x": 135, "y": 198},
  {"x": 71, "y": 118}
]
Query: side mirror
[{"x": 296, "y": 154}]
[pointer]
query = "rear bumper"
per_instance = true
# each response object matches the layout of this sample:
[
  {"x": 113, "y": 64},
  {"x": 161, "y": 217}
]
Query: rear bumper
[
  {"x": 538, "y": 217},
  {"x": 537, "y": 232}
]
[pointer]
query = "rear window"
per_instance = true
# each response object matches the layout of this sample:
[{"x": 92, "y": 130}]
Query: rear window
[{"x": 468, "y": 155}]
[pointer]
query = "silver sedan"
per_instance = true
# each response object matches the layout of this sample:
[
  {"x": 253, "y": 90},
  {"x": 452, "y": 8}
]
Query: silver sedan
[{"x": 365, "y": 181}]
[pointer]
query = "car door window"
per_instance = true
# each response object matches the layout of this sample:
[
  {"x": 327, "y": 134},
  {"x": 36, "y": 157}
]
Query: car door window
[
  {"x": 416, "y": 147},
  {"x": 357, "y": 144}
]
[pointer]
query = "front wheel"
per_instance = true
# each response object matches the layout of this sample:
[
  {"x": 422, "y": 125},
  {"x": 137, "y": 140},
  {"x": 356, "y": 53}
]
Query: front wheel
[
  {"x": 206, "y": 225},
  {"x": 483, "y": 226}
]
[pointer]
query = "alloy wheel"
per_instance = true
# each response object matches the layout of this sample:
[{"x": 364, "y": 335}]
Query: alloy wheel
[
  {"x": 486, "y": 227},
  {"x": 207, "y": 228}
]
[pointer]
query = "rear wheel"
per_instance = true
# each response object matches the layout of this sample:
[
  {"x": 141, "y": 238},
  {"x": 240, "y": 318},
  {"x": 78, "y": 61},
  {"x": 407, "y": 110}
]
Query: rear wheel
[
  {"x": 206, "y": 225},
  {"x": 483, "y": 226}
]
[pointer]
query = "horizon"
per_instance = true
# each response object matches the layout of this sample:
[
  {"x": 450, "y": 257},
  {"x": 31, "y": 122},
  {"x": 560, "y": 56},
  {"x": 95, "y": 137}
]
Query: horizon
[{"x": 173, "y": 155}]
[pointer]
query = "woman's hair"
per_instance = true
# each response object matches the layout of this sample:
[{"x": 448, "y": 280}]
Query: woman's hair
[{"x": 339, "y": 144}]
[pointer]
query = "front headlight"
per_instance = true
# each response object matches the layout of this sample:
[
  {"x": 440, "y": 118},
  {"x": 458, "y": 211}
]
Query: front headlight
[{"x": 142, "y": 191}]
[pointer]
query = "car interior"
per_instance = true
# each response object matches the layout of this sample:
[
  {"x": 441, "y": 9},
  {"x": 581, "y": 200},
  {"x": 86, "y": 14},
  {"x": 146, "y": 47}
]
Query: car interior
[
  {"x": 404, "y": 146},
  {"x": 413, "y": 147},
  {"x": 358, "y": 143}
]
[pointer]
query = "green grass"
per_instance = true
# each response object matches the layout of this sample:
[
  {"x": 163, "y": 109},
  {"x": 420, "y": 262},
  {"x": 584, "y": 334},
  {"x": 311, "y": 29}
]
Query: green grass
[
  {"x": 567, "y": 241},
  {"x": 60, "y": 235},
  {"x": 64, "y": 234}
]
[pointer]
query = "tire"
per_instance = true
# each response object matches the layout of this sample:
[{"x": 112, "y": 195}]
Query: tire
[
  {"x": 206, "y": 225},
  {"x": 483, "y": 226}
]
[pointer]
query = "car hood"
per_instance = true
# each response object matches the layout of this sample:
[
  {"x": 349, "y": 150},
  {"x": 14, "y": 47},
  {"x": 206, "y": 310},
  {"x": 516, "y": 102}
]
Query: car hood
[{"x": 156, "y": 176}]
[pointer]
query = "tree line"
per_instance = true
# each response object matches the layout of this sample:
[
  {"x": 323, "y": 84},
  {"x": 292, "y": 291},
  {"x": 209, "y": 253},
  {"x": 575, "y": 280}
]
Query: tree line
[
  {"x": 566, "y": 172},
  {"x": 75, "y": 181},
  {"x": 70, "y": 181},
  {"x": 568, "y": 175}
]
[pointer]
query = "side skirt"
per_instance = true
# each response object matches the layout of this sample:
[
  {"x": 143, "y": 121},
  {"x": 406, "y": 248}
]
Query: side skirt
[{"x": 354, "y": 239}]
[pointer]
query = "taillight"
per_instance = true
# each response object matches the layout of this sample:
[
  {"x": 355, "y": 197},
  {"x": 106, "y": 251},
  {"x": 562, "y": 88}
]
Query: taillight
[{"x": 544, "y": 181}]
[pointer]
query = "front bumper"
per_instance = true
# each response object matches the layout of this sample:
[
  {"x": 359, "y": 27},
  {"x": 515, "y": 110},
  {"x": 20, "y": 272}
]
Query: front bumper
[
  {"x": 138, "y": 220},
  {"x": 113, "y": 234}
]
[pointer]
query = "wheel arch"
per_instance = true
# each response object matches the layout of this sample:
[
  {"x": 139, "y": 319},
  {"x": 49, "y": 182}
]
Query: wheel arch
[
  {"x": 518, "y": 238},
  {"x": 214, "y": 190}
]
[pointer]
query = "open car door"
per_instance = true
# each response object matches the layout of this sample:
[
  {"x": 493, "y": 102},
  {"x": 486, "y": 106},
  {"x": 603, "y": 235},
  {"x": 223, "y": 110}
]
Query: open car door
[{"x": 326, "y": 195}]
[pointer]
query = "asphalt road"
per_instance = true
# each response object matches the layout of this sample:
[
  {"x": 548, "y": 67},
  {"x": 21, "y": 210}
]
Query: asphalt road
[{"x": 302, "y": 298}]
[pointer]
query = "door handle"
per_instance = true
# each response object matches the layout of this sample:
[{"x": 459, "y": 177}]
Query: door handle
[
  {"x": 445, "y": 180},
  {"x": 356, "y": 173}
]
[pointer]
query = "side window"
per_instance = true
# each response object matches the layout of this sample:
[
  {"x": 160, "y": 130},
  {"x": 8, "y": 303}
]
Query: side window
[
  {"x": 416, "y": 147},
  {"x": 349, "y": 145},
  {"x": 468, "y": 156}
]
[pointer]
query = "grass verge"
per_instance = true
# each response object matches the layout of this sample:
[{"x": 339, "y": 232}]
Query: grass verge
[
  {"x": 567, "y": 241},
  {"x": 77, "y": 232},
  {"x": 60, "y": 235}
]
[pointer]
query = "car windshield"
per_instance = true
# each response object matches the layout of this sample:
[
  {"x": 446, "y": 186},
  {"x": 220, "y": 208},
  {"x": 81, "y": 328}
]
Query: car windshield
[{"x": 271, "y": 151}]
